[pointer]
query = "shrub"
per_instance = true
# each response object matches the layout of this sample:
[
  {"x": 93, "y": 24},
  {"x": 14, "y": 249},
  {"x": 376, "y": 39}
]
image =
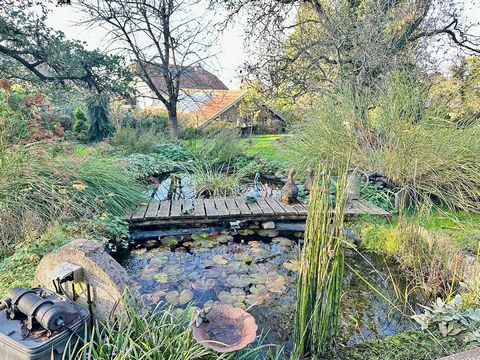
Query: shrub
[
  {"x": 101, "y": 126},
  {"x": 392, "y": 132},
  {"x": 129, "y": 141},
  {"x": 18, "y": 269},
  {"x": 145, "y": 121},
  {"x": 143, "y": 165},
  {"x": 217, "y": 146},
  {"x": 80, "y": 125}
]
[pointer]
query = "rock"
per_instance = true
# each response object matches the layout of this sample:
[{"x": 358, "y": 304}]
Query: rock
[
  {"x": 269, "y": 225},
  {"x": 107, "y": 279}
]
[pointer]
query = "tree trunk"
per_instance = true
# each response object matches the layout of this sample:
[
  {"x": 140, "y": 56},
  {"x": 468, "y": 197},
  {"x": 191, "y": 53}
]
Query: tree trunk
[{"x": 173, "y": 120}]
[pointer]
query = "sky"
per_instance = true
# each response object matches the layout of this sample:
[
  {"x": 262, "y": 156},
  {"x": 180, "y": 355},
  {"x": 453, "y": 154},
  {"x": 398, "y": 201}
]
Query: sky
[
  {"x": 230, "y": 49},
  {"x": 230, "y": 54}
]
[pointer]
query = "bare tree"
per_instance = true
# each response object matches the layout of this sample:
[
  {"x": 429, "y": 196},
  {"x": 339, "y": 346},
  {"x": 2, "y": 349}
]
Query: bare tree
[
  {"x": 162, "y": 37},
  {"x": 310, "y": 45}
]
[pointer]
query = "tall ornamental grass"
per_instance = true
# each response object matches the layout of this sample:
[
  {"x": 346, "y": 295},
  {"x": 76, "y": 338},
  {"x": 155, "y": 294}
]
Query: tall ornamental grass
[
  {"x": 37, "y": 190},
  {"x": 164, "y": 333},
  {"x": 321, "y": 270},
  {"x": 397, "y": 131}
]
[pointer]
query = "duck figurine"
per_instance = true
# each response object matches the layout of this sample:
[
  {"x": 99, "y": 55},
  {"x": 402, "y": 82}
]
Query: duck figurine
[
  {"x": 255, "y": 193},
  {"x": 289, "y": 191},
  {"x": 309, "y": 182}
]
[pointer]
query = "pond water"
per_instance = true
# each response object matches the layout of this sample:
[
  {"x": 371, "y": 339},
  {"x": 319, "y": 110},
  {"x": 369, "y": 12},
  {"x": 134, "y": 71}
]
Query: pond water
[
  {"x": 255, "y": 269},
  {"x": 179, "y": 186}
]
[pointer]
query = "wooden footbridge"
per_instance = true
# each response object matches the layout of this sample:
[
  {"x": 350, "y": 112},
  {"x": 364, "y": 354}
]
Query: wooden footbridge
[{"x": 215, "y": 210}]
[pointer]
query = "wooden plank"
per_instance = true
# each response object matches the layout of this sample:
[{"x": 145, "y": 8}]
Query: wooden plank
[
  {"x": 266, "y": 209},
  {"x": 242, "y": 206},
  {"x": 275, "y": 205},
  {"x": 255, "y": 208},
  {"x": 301, "y": 209},
  {"x": 176, "y": 210},
  {"x": 288, "y": 208},
  {"x": 210, "y": 207},
  {"x": 221, "y": 207},
  {"x": 232, "y": 207},
  {"x": 198, "y": 208},
  {"x": 139, "y": 213},
  {"x": 374, "y": 209},
  {"x": 164, "y": 210},
  {"x": 187, "y": 205},
  {"x": 152, "y": 209},
  {"x": 352, "y": 209}
]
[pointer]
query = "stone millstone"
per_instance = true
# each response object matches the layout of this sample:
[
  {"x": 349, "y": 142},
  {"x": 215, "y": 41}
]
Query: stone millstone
[
  {"x": 227, "y": 329},
  {"x": 108, "y": 280}
]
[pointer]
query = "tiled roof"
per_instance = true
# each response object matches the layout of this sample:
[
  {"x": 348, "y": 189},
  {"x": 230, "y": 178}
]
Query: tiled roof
[
  {"x": 216, "y": 105},
  {"x": 190, "y": 77}
]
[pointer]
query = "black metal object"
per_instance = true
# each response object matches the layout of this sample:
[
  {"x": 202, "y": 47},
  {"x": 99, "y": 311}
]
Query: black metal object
[{"x": 29, "y": 302}]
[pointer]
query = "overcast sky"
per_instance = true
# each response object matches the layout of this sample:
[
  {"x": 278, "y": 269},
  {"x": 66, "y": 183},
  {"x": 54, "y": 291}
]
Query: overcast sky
[{"x": 229, "y": 47}]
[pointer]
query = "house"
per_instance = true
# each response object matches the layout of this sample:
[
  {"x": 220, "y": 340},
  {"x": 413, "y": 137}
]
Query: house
[{"x": 204, "y": 99}]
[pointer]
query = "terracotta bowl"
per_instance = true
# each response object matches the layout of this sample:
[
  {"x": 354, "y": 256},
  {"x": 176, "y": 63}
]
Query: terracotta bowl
[{"x": 227, "y": 329}]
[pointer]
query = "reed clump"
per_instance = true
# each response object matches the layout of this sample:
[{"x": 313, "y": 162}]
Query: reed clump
[{"x": 321, "y": 270}]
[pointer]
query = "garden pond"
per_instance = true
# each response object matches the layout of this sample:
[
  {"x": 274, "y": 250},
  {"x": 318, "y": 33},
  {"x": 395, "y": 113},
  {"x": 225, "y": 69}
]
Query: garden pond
[{"x": 255, "y": 269}]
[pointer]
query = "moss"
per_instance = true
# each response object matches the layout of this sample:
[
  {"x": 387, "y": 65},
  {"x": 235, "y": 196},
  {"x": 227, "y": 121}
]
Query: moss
[{"x": 411, "y": 344}]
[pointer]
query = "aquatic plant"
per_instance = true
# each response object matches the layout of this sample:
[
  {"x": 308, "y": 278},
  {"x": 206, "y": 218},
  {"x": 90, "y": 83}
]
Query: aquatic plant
[
  {"x": 320, "y": 274},
  {"x": 164, "y": 333}
]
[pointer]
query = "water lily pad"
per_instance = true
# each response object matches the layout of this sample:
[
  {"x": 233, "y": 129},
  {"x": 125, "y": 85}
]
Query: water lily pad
[
  {"x": 159, "y": 260},
  {"x": 162, "y": 278},
  {"x": 248, "y": 260},
  {"x": 155, "y": 297},
  {"x": 258, "y": 295},
  {"x": 268, "y": 233},
  {"x": 258, "y": 278},
  {"x": 203, "y": 243},
  {"x": 298, "y": 234},
  {"x": 174, "y": 297},
  {"x": 223, "y": 238},
  {"x": 282, "y": 241},
  {"x": 200, "y": 236},
  {"x": 139, "y": 251},
  {"x": 246, "y": 232},
  {"x": 220, "y": 260},
  {"x": 203, "y": 284},
  {"x": 169, "y": 241},
  {"x": 239, "y": 281},
  {"x": 150, "y": 243},
  {"x": 275, "y": 283},
  {"x": 235, "y": 297},
  {"x": 187, "y": 243},
  {"x": 291, "y": 265}
]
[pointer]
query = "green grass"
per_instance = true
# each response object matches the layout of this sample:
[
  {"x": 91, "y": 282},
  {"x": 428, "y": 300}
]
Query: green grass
[
  {"x": 460, "y": 226},
  {"x": 264, "y": 146},
  {"x": 411, "y": 344}
]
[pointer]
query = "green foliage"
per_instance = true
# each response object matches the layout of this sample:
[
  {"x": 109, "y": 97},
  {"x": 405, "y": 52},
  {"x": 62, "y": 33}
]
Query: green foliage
[
  {"x": 34, "y": 52},
  {"x": 173, "y": 152},
  {"x": 410, "y": 344},
  {"x": 80, "y": 125},
  {"x": 110, "y": 230},
  {"x": 143, "y": 122},
  {"x": 214, "y": 180},
  {"x": 452, "y": 319},
  {"x": 320, "y": 273},
  {"x": 217, "y": 146},
  {"x": 143, "y": 165},
  {"x": 379, "y": 196},
  {"x": 37, "y": 189},
  {"x": 128, "y": 141},
  {"x": 101, "y": 126},
  {"x": 164, "y": 333},
  {"x": 18, "y": 269},
  {"x": 253, "y": 165},
  {"x": 393, "y": 133}
]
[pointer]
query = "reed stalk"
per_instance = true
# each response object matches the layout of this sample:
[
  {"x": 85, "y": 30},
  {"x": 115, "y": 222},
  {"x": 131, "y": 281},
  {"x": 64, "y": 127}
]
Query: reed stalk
[{"x": 321, "y": 270}]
